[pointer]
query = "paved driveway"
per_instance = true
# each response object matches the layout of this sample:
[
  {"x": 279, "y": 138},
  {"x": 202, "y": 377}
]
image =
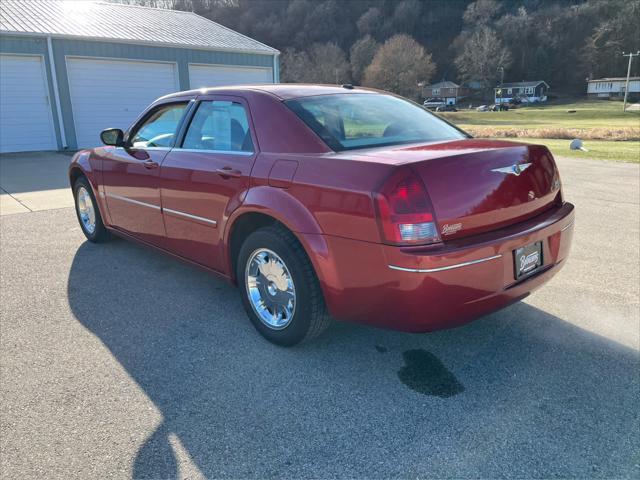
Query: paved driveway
[
  {"x": 31, "y": 182},
  {"x": 120, "y": 362}
]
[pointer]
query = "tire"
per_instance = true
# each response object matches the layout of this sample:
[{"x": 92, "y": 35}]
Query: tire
[
  {"x": 308, "y": 316},
  {"x": 82, "y": 195}
]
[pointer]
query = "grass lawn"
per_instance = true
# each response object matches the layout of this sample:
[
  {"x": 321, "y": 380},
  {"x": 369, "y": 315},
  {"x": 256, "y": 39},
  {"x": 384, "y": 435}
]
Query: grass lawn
[
  {"x": 598, "y": 149},
  {"x": 596, "y": 122},
  {"x": 589, "y": 114}
]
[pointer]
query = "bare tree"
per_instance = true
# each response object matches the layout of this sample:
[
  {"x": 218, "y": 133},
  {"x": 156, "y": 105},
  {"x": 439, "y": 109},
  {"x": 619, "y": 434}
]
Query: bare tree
[
  {"x": 322, "y": 63},
  {"x": 482, "y": 57},
  {"x": 519, "y": 31},
  {"x": 399, "y": 66},
  {"x": 601, "y": 52},
  {"x": 481, "y": 12},
  {"x": 361, "y": 55},
  {"x": 295, "y": 66},
  {"x": 559, "y": 41},
  {"x": 370, "y": 22},
  {"x": 330, "y": 64},
  {"x": 407, "y": 15}
]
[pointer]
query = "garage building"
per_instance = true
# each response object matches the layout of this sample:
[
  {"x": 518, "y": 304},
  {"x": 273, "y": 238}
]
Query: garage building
[{"x": 70, "y": 69}]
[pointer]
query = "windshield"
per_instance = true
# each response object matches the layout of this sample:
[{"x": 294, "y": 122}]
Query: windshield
[{"x": 352, "y": 120}]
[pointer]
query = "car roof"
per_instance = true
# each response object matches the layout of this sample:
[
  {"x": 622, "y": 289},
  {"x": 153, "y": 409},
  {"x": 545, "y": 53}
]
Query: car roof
[{"x": 284, "y": 91}]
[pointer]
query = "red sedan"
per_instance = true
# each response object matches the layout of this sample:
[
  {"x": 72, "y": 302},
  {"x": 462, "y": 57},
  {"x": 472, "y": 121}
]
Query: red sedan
[{"x": 330, "y": 202}]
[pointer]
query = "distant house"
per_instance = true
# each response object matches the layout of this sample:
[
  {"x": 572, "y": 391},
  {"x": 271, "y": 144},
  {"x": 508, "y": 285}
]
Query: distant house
[
  {"x": 613, "y": 87},
  {"x": 534, "y": 91},
  {"x": 449, "y": 91}
]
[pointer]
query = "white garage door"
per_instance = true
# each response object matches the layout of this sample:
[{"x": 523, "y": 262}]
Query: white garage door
[
  {"x": 112, "y": 93},
  {"x": 26, "y": 123},
  {"x": 216, "y": 75}
]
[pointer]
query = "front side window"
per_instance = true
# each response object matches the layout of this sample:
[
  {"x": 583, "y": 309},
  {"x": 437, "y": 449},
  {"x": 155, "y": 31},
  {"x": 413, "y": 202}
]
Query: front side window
[
  {"x": 159, "y": 129},
  {"x": 356, "y": 120},
  {"x": 222, "y": 126}
]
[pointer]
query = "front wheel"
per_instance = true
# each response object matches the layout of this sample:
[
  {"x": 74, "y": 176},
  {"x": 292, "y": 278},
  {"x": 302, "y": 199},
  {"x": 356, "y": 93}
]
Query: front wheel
[
  {"x": 279, "y": 288},
  {"x": 88, "y": 214}
]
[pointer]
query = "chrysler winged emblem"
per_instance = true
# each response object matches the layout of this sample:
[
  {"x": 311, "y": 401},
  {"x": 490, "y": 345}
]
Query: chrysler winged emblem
[{"x": 516, "y": 169}]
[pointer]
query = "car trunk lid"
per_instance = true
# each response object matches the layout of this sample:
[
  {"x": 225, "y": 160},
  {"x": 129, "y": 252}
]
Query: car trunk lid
[{"x": 477, "y": 186}]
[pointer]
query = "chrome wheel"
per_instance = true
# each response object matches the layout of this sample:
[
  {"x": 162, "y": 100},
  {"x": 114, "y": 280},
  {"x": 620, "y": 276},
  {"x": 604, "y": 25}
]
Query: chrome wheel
[
  {"x": 86, "y": 210},
  {"x": 270, "y": 288}
]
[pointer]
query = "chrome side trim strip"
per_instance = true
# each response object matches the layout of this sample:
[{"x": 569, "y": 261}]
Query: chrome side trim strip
[
  {"x": 154, "y": 149},
  {"x": 188, "y": 215},
  {"x": 448, "y": 267},
  {"x": 167, "y": 210},
  {"x": 131, "y": 200},
  {"x": 222, "y": 152},
  {"x": 567, "y": 226}
]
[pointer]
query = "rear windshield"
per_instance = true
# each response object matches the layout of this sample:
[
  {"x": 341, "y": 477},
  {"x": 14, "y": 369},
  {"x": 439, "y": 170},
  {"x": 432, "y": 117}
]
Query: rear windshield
[{"x": 353, "y": 120}]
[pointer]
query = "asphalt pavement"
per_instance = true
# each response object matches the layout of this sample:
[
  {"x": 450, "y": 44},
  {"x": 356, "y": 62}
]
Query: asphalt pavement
[
  {"x": 34, "y": 181},
  {"x": 118, "y": 361}
]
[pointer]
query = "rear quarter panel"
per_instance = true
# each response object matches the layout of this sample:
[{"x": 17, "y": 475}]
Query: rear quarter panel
[{"x": 334, "y": 191}]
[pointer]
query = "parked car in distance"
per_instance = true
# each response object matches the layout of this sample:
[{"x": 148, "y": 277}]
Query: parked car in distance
[
  {"x": 324, "y": 202},
  {"x": 499, "y": 107},
  {"x": 482, "y": 108},
  {"x": 433, "y": 103},
  {"x": 446, "y": 108}
]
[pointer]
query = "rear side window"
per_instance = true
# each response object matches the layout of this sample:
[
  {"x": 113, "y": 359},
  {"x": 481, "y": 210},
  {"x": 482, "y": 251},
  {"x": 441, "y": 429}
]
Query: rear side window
[
  {"x": 352, "y": 121},
  {"x": 159, "y": 129},
  {"x": 220, "y": 126}
]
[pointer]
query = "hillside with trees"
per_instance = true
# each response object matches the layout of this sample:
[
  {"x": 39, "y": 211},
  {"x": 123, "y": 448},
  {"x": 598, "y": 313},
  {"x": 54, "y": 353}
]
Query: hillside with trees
[{"x": 398, "y": 44}]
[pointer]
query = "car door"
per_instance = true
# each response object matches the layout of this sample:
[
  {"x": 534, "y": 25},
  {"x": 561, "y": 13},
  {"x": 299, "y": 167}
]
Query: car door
[
  {"x": 131, "y": 173},
  {"x": 204, "y": 178}
]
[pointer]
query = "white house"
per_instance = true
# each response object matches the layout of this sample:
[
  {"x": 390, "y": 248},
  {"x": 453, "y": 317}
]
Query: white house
[
  {"x": 534, "y": 91},
  {"x": 613, "y": 87}
]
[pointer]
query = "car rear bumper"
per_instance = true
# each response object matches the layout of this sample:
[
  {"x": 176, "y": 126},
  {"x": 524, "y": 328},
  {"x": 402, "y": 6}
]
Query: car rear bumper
[{"x": 421, "y": 289}]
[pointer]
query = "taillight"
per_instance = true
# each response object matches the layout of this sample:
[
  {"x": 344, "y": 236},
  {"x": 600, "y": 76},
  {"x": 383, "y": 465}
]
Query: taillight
[
  {"x": 557, "y": 185},
  {"x": 405, "y": 211}
]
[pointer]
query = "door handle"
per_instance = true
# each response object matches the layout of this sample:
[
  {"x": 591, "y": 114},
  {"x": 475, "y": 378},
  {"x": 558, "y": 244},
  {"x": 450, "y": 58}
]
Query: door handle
[
  {"x": 150, "y": 164},
  {"x": 228, "y": 172}
]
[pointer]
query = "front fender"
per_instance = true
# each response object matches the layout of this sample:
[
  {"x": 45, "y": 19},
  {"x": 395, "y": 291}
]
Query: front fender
[
  {"x": 81, "y": 162},
  {"x": 86, "y": 163}
]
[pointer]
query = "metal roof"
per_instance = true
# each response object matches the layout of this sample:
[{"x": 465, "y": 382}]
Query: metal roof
[
  {"x": 125, "y": 23},
  {"x": 613, "y": 79},
  {"x": 444, "y": 84},
  {"x": 534, "y": 83}
]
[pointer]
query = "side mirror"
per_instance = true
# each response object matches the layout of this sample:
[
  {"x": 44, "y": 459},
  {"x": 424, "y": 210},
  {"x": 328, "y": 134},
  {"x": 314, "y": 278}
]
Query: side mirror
[{"x": 113, "y": 137}]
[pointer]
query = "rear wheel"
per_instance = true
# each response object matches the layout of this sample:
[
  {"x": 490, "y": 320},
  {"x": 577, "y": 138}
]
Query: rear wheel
[
  {"x": 88, "y": 214},
  {"x": 279, "y": 288}
]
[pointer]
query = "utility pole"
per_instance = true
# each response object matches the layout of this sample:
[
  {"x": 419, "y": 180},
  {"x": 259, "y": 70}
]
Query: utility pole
[{"x": 626, "y": 88}]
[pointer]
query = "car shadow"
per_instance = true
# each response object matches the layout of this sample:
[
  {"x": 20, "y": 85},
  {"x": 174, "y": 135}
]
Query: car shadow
[{"x": 517, "y": 393}]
